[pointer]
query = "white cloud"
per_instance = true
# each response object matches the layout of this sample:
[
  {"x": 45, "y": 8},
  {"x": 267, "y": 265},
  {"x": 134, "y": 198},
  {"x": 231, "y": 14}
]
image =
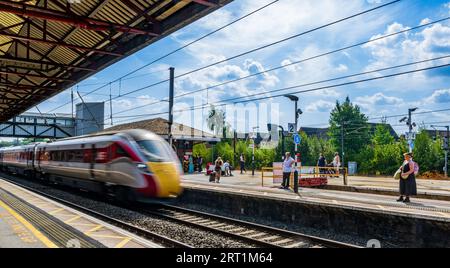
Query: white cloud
[
  {"x": 342, "y": 68},
  {"x": 373, "y": 103},
  {"x": 425, "y": 21},
  {"x": 431, "y": 42},
  {"x": 320, "y": 106},
  {"x": 224, "y": 73},
  {"x": 439, "y": 97},
  {"x": 266, "y": 26}
]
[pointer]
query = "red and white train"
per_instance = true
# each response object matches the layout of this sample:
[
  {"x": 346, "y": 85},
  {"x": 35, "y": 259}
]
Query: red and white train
[{"x": 129, "y": 165}]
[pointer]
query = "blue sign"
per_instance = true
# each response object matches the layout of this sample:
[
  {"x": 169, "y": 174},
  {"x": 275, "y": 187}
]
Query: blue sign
[
  {"x": 411, "y": 144},
  {"x": 297, "y": 139}
]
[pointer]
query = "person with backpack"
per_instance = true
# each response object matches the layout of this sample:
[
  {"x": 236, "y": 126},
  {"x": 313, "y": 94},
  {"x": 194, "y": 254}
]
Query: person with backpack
[
  {"x": 408, "y": 186},
  {"x": 218, "y": 168},
  {"x": 321, "y": 163}
]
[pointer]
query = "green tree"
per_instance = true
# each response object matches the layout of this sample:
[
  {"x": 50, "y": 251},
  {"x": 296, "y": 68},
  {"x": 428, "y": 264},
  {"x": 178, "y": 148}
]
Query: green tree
[
  {"x": 427, "y": 153},
  {"x": 316, "y": 147},
  {"x": 225, "y": 151},
  {"x": 354, "y": 123},
  {"x": 382, "y": 136},
  {"x": 203, "y": 151}
]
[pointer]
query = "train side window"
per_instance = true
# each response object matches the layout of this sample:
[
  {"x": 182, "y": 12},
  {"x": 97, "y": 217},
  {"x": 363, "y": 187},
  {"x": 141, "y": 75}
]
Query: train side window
[
  {"x": 87, "y": 156},
  {"x": 78, "y": 156}
]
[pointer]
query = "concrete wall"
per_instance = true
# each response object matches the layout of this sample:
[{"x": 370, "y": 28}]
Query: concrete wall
[{"x": 394, "y": 230}]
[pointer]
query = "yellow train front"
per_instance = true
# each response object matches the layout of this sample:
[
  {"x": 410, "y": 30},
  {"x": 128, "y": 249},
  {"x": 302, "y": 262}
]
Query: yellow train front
[{"x": 130, "y": 165}]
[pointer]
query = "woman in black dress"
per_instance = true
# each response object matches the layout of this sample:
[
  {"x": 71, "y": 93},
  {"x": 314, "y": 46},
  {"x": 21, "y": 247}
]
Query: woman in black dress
[{"x": 408, "y": 185}]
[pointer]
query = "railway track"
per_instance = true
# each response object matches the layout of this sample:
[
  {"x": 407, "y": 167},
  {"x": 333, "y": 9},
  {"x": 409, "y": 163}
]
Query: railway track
[
  {"x": 251, "y": 233},
  {"x": 162, "y": 240},
  {"x": 260, "y": 235}
]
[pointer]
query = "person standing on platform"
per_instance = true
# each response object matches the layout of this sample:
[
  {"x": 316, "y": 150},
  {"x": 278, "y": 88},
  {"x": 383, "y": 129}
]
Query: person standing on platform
[
  {"x": 191, "y": 165},
  {"x": 408, "y": 185},
  {"x": 200, "y": 164},
  {"x": 287, "y": 170},
  {"x": 218, "y": 168},
  {"x": 242, "y": 163},
  {"x": 227, "y": 167},
  {"x": 336, "y": 162},
  {"x": 321, "y": 163}
]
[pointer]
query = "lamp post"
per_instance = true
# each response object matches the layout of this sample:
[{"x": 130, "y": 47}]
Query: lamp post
[
  {"x": 446, "y": 147},
  {"x": 297, "y": 113},
  {"x": 253, "y": 150},
  {"x": 411, "y": 125}
]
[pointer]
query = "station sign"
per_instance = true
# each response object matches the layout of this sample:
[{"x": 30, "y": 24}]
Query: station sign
[{"x": 291, "y": 128}]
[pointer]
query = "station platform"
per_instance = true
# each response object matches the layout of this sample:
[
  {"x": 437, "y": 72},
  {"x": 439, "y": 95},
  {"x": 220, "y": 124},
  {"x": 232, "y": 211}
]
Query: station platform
[
  {"x": 28, "y": 220},
  {"x": 380, "y": 203}
]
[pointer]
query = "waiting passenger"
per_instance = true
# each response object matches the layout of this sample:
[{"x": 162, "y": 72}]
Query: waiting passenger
[
  {"x": 287, "y": 170},
  {"x": 218, "y": 168},
  {"x": 408, "y": 186},
  {"x": 227, "y": 168},
  {"x": 322, "y": 163}
]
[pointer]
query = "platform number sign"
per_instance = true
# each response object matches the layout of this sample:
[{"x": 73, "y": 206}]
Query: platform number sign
[{"x": 291, "y": 128}]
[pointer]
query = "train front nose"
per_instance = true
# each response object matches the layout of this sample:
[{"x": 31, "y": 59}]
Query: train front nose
[{"x": 167, "y": 177}]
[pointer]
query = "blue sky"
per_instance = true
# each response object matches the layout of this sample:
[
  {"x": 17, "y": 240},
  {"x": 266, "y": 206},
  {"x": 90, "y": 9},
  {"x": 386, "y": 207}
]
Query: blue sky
[{"x": 426, "y": 90}]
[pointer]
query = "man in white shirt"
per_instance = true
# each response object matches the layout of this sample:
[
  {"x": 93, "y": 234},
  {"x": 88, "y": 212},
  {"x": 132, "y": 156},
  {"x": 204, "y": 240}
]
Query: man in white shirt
[
  {"x": 287, "y": 169},
  {"x": 227, "y": 168}
]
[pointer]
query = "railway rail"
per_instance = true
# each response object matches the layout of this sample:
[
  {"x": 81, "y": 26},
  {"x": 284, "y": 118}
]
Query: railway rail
[
  {"x": 162, "y": 240},
  {"x": 261, "y": 235},
  {"x": 248, "y": 232}
]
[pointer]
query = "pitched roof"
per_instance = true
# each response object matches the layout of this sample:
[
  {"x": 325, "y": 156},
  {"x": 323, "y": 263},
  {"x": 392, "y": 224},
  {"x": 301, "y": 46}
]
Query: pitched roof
[{"x": 160, "y": 126}]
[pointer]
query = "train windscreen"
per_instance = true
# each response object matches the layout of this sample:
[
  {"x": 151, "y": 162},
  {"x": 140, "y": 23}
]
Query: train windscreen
[{"x": 156, "y": 151}]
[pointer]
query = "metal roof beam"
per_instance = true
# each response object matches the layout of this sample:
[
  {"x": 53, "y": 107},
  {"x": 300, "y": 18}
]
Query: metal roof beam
[
  {"x": 36, "y": 75},
  {"x": 76, "y": 21},
  {"x": 26, "y": 87},
  {"x": 204, "y": 2},
  {"x": 58, "y": 43}
]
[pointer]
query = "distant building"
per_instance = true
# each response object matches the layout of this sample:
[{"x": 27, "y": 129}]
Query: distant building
[
  {"x": 184, "y": 137},
  {"x": 323, "y": 132},
  {"x": 436, "y": 133}
]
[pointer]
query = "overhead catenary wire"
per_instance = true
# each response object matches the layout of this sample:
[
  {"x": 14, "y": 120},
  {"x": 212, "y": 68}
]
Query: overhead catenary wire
[
  {"x": 293, "y": 63},
  {"x": 313, "y": 89},
  {"x": 176, "y": 50},
  {"x": 237, "y": 100},
  {"x": 315, "y": 57},
  {"x": 247, "y": 52},
  {"x": 270, "y": 45},
  {"x": 258, "y": 49}
]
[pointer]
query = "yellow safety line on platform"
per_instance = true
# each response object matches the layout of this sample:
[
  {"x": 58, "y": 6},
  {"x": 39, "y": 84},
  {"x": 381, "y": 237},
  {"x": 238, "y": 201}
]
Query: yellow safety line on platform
[
  {"x": 109, "y": 236},
  {"x": 56, "y": 211},
  {"x": 84, "y": 224},
  {"x": 123, "y": 243},
  {"x": 66, "y": 215},
  {"x": 72, "y": 219},
  {"x": 96, "y": 228},
  {"x": 29, "y": 226}
]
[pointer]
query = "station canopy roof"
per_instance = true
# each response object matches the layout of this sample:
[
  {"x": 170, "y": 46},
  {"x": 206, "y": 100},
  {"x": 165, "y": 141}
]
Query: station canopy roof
[{"x": 47, "y": 46}]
